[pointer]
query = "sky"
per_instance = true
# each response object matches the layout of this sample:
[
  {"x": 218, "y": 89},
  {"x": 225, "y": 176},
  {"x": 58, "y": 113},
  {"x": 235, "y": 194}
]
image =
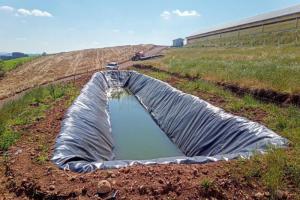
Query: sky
[{"x": 35, "y": 26}]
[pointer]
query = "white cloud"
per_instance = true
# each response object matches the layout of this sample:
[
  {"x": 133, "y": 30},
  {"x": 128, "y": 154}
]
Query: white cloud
[
  {"x": 39, "y": 13},
  {"x": 186, "y": 13},
  {"x": 6, "y": 8},
  {"x": 24, "y": 12},
  {"x": 34, "y": 12},
  {"x": 166, "y": 15},
  {"x": 116, "y": 30}
]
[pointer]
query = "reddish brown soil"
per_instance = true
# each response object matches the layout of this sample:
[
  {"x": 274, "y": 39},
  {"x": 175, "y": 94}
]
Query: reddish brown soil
[{"x": 26, "y": 178}]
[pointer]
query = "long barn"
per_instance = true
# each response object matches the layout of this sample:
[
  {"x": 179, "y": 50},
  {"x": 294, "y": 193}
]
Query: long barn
[{"x": 276, "y": 21}]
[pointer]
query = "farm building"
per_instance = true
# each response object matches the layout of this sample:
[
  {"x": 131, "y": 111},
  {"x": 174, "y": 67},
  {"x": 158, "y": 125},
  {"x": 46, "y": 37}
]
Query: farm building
[
  {"x": 178, "y": 42},
  {"x": 263, "y": 26}
]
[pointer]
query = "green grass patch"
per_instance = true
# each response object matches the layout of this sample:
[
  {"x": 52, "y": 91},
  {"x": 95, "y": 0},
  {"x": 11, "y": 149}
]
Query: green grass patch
[
  {"x": 157, "y": 75},
  {"x": 9, "y": 65},
  {"x": 42, "y": 158},
  {"x": 28, "y": 109},
  {"x": 275, "y": 168},
  {"x": 269, "y": 67}
]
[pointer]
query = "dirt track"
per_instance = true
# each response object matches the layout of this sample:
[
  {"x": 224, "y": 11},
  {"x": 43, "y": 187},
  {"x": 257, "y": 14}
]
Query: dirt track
[{"x": 53, "y": 67}]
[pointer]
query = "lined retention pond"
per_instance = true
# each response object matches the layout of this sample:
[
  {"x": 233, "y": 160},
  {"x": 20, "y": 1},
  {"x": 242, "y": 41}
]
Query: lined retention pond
[
  {"x": 123, "y": 118},
  {"x": 135, "y": 133}
]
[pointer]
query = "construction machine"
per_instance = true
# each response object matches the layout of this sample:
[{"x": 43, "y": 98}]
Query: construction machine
[{"x": 138, "y": 56}]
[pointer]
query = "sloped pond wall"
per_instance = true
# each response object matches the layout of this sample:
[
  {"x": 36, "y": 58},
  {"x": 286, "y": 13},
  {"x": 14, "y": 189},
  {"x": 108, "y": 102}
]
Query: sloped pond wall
[{"x": 202, "y": 131}]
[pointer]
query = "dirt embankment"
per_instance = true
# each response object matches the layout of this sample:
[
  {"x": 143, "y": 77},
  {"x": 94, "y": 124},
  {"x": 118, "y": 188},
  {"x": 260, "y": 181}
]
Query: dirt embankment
[
  {"x": 27, "y": 177},
  {"x": 265, "y": 95}
]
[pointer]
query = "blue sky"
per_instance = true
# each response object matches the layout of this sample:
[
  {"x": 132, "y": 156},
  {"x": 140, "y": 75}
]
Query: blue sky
[{"x": 34, "y": 26}]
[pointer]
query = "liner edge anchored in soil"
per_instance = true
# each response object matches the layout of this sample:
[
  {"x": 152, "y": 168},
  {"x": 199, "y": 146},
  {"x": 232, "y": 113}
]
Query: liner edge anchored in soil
[{"x": 202, "y": 132}]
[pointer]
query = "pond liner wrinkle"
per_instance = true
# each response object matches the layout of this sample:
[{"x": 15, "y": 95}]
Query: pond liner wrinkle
[{"x": 203, "y": 132}]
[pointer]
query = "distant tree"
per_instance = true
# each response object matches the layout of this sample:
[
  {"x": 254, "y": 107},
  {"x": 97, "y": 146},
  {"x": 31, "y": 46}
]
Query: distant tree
[{"x": 44, "y": 54}]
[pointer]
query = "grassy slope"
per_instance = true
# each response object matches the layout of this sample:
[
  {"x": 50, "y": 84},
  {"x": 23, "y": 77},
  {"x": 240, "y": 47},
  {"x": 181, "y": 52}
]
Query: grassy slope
[
  {"x": 269, "y": 67},
  {"x": 28, "y": 109},
  {"x": 9, "y": 65},
  {"x": 275, "y": 169}
]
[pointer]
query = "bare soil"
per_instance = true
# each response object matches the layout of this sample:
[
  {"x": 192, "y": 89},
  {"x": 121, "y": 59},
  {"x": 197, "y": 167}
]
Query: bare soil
[{"x": 25, "y": 177}]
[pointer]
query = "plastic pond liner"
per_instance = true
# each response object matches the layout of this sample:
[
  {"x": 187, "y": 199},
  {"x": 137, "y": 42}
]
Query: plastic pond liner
[
  {"x": 136, "y": 135},
  {"x": 122, "y": 118}
]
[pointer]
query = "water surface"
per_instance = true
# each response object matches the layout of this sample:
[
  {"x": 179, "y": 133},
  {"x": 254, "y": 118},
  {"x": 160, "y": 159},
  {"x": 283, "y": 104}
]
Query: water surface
[{"x": 136, "y": 135}]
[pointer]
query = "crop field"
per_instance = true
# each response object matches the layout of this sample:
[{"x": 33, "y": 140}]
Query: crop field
[
  {"x": 10, "y": 65},
  {"x": 52, "y": 67}
]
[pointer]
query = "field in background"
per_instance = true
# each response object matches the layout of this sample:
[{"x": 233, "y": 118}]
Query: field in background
[
  {"x": 9, "y": 65},
  {"x": 267, "y": 67},
  {"x": 53, "y": 67}
]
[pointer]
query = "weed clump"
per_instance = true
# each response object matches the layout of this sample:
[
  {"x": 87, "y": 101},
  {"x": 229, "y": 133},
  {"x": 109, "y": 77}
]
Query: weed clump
[{"x": 206, "y": 184}]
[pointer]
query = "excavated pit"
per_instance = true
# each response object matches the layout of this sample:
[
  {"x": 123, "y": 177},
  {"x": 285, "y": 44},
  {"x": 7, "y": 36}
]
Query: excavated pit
[{"x": 122, "y": 118}]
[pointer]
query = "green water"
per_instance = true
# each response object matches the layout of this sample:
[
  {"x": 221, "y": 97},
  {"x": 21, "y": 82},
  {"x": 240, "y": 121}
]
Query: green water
[{"x": 136, "y": 135}]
